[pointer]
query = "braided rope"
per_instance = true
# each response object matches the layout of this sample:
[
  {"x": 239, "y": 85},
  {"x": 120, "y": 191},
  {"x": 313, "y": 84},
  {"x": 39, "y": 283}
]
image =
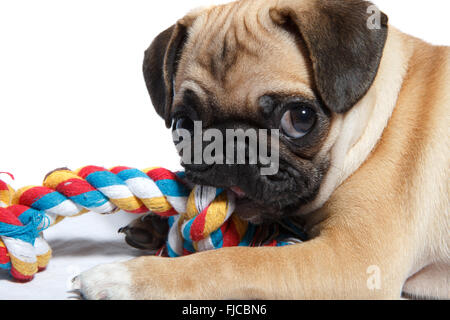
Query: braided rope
[{"x": 199, "y": 219}]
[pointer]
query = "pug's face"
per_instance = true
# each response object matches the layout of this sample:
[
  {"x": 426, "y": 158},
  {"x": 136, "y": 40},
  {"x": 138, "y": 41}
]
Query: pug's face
[{"x": 290, "y": 65}]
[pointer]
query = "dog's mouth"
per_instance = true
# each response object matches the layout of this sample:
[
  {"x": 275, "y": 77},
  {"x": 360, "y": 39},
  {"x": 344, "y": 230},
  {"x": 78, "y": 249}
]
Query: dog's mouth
[
  {"x": 259, "y": 211},
  {"x": 246, "y": 208},
  {"x": 240, "y": 194},
  {"x": 259, "y": 199}
]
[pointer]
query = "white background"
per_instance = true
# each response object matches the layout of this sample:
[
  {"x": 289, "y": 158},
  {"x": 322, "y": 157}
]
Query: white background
[{"x": 72, "y": 92}]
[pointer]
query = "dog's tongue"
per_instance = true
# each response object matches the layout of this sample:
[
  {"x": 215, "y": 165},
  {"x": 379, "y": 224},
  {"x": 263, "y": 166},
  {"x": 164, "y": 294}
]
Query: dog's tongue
[{"x": 239, "y": 192}]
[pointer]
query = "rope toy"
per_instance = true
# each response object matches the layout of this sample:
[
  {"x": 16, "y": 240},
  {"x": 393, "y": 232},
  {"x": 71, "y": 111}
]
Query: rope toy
[{"x": 199, "y": 219}]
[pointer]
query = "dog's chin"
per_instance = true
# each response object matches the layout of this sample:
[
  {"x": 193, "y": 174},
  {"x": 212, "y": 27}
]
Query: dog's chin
[{"x": 259, "y": 199}]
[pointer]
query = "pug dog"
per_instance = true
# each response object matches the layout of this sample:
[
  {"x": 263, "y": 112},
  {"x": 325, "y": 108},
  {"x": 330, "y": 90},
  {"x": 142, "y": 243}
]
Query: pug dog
[{"x": 363, "y": 111}]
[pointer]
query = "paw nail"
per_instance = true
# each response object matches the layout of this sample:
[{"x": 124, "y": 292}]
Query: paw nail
[{"x": 76, "y": 283}]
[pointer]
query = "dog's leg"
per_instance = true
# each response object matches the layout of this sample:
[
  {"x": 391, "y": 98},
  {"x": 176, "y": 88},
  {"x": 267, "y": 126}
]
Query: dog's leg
[{"x": 334, "y": 265}]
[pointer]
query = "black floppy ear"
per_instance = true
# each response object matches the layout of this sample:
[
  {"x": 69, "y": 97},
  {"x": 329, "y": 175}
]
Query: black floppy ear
[
  {"x": 160, "y": 66},
  {"x": 344, "y": 48}
]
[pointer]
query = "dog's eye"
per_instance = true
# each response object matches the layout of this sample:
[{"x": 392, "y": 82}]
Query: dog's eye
[{"x": 298, "y": 122}]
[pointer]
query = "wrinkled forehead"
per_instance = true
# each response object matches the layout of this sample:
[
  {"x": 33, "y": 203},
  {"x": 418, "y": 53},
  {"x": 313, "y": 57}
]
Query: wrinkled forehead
[{"x": 235, "y": 53}]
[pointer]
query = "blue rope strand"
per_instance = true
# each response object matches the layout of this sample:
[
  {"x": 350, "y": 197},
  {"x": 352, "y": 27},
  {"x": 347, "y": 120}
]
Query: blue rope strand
[{"x": 29, "y": 231}]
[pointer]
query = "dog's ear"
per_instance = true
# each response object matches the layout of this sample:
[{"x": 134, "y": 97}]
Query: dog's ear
[
  {"x": 345, "y": 41},
  {"x": 160, "y": 66}
]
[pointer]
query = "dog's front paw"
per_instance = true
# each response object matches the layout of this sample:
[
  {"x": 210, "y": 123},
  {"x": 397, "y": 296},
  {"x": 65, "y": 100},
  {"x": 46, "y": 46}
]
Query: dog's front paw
[{"x": 105, "y": 282}]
